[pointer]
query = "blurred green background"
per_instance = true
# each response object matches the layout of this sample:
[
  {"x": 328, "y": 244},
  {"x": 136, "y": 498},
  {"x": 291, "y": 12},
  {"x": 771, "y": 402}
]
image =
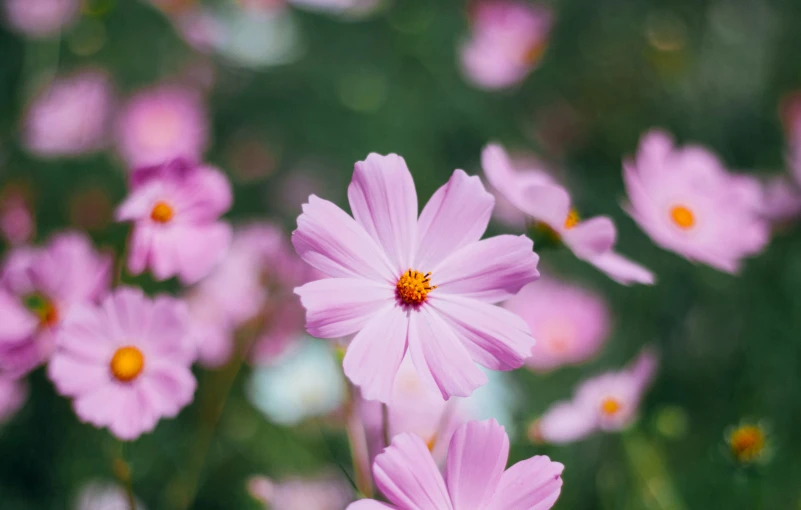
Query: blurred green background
[{"x": 710, "y": 71}]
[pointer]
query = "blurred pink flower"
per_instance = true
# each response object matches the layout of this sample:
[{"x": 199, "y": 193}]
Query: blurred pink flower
[
  {"x": 781, "y": 200},
  {"x": 17, "y": 223},
  {"x": 101, "y": 495},
  {"x": 570, "y": 323},
  {"x": 160, "y": 124},
  {"x": 40, "y": 18},
  {"x": 39, "y": 287},
  {"x": 476, "y": 477},
  {"x": 13, "y": 393},
  {"x": 71, "y": 116},
  {"x": 175, "y": 208},
  {"x": 324, "y": 493},
  {"x": 126, "y": 363},
  {"x": 507, "y": 41},
  {"x": 536, "y": 194},
  {"x": 607, "y": 402},
  {"x": 688, "y": 203},
  {"x": 398, "y": 281}
]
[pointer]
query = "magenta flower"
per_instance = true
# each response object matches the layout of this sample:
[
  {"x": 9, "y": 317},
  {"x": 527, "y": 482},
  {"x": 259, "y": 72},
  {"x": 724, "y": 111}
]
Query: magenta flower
[
  {"x": 507, "y": 42},
  {"x": 126, "y": 363},
  {"x": 41, "y": 18},
  {"x": 39, "y": 287},
  {"x": 427, "y": 285},
  {"x": 160, "y": 124},
  {"x": 476, "y": 477},
  {"x": 688, "y": 203},
  {"x": 176, "y": 208},
  {"x": 70, "y": 117},
  {"x": 540, "y": 198},
  {"x": 606, "y": 402},
  {"x": 13, "y": 393},
  {"x": 569, "y": 322}
]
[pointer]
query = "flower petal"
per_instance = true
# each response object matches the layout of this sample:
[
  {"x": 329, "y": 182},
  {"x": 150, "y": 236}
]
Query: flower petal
[
  {"x": 476, "y": 460},
  {"x": 338, "y": 307},
  {"x": 532, "y": 484},
  {"x": 375, "y": 353},
  {"x": 591, "y": 237},
  {"x": 407, "y": 475},
  {"x": 490, "y": 270},
  {"x": 548, "y": 203},
  {"x": 439, "y": 356},
  {"x": 457, "y": 215},
  {"x": 369, "y": 504},
  {"x": 199, "y": 249},
  {"x": 621, "y": 269},
  {"x": 565, "y": 422},
  {"x": 384, "y": 202},
  {"x": 332, "y": 242},
  {"x": 495, "y": 337}
]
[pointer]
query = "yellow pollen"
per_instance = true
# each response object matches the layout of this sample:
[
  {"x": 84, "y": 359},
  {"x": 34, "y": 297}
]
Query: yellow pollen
[
  {"x": 572, "y": 219},
  {"x": 162, "y": 212},
  {"x": 747, "y": 442},
  {"x": 431, "y": 443},
  {"x": 127, "y": 363},
  {"x": 682, "y": 217},
  {"x": 611, "y": 406},
  {"x": 413, "y": 287}
]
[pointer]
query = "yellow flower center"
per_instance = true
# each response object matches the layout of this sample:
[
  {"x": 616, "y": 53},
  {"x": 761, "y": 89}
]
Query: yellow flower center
[
  {"x": 127, "y": 363},
  {"x": 43, "y": 308},
  {"x": 610, "y": 406},
  {"x": 747, "y": 442},
  {"x": 413, "y": 287},
  {"x": 682, "y": 217},
  {"x": 572, "y": 219},
  {"x": 162, "y": 212},
  {"x": 534, "y": 53}
]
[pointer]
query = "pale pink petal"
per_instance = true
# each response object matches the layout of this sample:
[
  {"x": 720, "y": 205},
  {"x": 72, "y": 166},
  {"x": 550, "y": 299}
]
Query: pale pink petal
[
  {"x": 407, "y": 475},
  {"x": 338, "y": 307},
  {"x": 384, "y": 202},
  {"x": 73, "y": 376},
  {"x": 457, "y": 215},
  {"x": 16, "y": 322},
  {"x": 99, "y": 406},
  {"x": 622, "y": 269},
  {"x": 128, "y": 314},
  {"x": 369, "y": 504},
  {"x": 491, "y": 270},
  {"x": 643, "y": 369},
  {"x": 332, "y": 242},
  {"x": 591, "y": 237},
  {"x": 476, "y": 460},
  {"x": 135, "y": 416},
  {"x": 139, "y": 243},
  {"x": 440, "y": 358},
  {"x": 211, "y": 194},
  {"x": 532, "y": 484},
  {"x": 547, "y": 203},
  {"x": 167, "y": 332},
  {"x": 170, "y": 387},
  {"x": 85, "y": 333},
  {"x": 495, "y": 337},
  {"x": 199, "y": 249},
  {"x": 375, "y": 353},
  {"x": 566, "y": 422}
]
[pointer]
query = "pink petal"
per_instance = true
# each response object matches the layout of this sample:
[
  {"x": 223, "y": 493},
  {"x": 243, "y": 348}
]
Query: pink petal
[
  {"x": 566, "y": 422},
  {"x": 338, "y": 307},
  {"x": 128, "y": 313},
  {"x": 384, "y": 202},
  {"x": 491, "y": 270},
  {"x": 375, "y": 353},
  {"x": 99, "y": 406},
  {"x": 85, "y": 334},
  {"x": 622, "y": 269},
  {"x": 495, "y": 337},
  {"x": 139, "y": 243},
  {"x": 210, "y": 193},
  {"x": 440, "y": 358},
  {"x": 407, "y": 475},
  {"x": 199, "y": 249},
  {"x": 170, "y": 387},
  {"x": 73, "y": 376},
  {"x": 369, "y": 504},
  {"x": 332, "y": 242},
  {"x": 476, "y": 460},
  {"x": 457, "y": 215},
  {"x": 591, "y": 237},
  {"x": 16, "y": 322},
  {"x": 547, "y": 203},
  {"x": 168, "y": 330},
  {"x": 135, "y": 415},
  {"x": 532, "y": 484}
]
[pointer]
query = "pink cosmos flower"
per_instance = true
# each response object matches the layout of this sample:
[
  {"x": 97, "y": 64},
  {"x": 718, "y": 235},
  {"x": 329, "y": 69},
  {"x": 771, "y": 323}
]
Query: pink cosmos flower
[
  {"x": 569, "y": 322},
  {"x": 17, "y": 224},
  {"x": 606, "y": 402},
  {"x": 13, "y": 393},
  {"x": 427, "y": 285},
  {"x": 507, "y": 42},
  {"x": 160, "y": 124},
  {"x": 126, "y": 363},
  {"x": 537, "y": 195},
  {"x": 688, "y": 203},
  {"x": 475, "y": 477},
  {"x": 175, "y": 208},
  {"x": 324, "y": 493},
  {"x": 70, "y": 117},
  {"x": 38, "y": 288},
  {"x": 40, "y": 18}
]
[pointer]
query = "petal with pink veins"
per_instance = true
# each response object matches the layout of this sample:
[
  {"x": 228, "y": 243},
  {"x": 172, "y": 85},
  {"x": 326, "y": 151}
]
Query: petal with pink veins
[
  {"x": 532, "y": 484},
  {"x": 476, "y": 461}
]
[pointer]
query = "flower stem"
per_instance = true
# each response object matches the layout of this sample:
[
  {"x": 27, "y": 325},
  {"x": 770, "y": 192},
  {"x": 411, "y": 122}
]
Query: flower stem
[
  {"x": 122, "y": 471},
  {"x": 358, "y": 445}
]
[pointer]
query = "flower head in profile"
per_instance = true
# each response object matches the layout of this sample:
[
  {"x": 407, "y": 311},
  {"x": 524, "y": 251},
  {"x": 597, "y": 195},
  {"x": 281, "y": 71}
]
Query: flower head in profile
[
  {"x": 38, "y": 288},
  {"x": 41, "y": 18},
  {"x": 71, "y": 116},
  {"x": 320, "y": 493},
  {"x": 176, "y": 209},
  {"x": 160, "y": 124},
  {"x": 687, "y": 202},
  {"x": 569, "y": 322},
  {"x": 425, "y": 285},
  {"x": 13, "y": 393},
  {"x": 607, "y": 402},
  {"x": 126, "y": 363},
  {"x": 476, "y": 475},
  {"x": 540, "y": 198},
  {"x": 507, "y": 41}
]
